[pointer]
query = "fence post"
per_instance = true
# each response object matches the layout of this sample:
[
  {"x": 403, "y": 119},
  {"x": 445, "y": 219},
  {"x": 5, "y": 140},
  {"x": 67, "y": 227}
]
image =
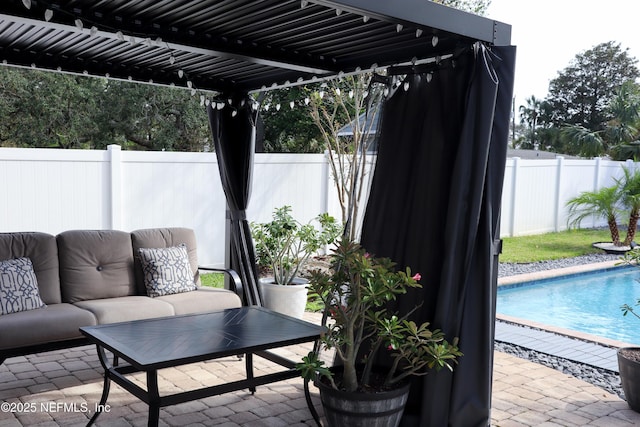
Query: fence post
[
  {"x": 514, "y": 184},
  {"x": 115, "y": 186},
  {"x": 556, "y": 209}
]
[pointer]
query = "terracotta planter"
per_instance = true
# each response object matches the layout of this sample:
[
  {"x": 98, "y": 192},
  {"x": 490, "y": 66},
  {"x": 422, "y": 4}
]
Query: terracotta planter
[
  {"x": 286, "y": 299},
  {"x": 629, "y": 367},
  {"x": 379, "y": 409}
]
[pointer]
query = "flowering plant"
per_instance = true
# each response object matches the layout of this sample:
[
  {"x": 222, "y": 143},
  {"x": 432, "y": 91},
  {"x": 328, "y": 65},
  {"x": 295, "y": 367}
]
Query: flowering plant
[{"x": 355, "y": 292}]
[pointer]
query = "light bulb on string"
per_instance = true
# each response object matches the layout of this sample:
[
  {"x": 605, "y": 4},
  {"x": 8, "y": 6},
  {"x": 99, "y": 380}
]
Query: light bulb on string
[
  {"x": 307, "y": 100},
  {"x": 351, "y": 94},
  {"x": 120, "y": 36},
  {"x": 27, "y": 3},
  {"x": 418, "y": 32},
  {"x": 277, "y": 107},
  {"x": 219, "y": 105},
  {"x": 406, "y": 86},
  {"x": 292, "y": 104},
  {"x": 365, "y": 19},
  {"x": 172, "y": 59},
  {"x": 234, "y": 113},
  {"x": 338, "y": 91},
  {"x": 180, "y": 73},
  {"x": 321, "y": 94},
  {"x": 303, "y": 4},
  {"x": 399, "y": 28},
  {"x": 93, "y": 31},
  {"x": 434, "y": 41},
  {"x": 78, "y": 23},
  {"x": 429, "y": 77},
  {"x": 48, "y": 14}
]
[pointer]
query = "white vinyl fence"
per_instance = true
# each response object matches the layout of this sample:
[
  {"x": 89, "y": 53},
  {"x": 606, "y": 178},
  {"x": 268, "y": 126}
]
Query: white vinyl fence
[{"x": 53, "y": 190}]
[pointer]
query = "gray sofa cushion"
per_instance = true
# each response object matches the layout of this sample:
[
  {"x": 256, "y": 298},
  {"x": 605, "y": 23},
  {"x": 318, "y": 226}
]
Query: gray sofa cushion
[
  {"x": 55, "y": 322},
  {"x": 125, "y": 309},
  {"x": 41, "y": 248},
  {"x": 164, "y": 238},
  {"x": 95, "y": 264}
]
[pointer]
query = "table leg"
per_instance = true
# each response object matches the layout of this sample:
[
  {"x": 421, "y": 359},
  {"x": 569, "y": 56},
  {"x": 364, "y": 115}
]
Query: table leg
[
  {"x": 249, "y": 365},
  {"x": 104, "y": 361},
  {"x": 154, "y": 398}
]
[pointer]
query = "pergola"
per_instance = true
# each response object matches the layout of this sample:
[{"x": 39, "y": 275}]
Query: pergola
[{"x": 435, "y": 199}]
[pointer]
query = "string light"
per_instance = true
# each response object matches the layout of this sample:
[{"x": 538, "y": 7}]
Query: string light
[
  {"x": 48, "y": 14},
  {"x": 434, "y": 41},
  {"x": 27, "y": 3},
  {"x": 78, "y": 23},
  {"x": 418, "y": 32}
]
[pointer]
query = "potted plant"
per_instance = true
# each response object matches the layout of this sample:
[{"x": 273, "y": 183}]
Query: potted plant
[
  {"x": 284, "y": 245},
  {"x": 355, "y": 293}
]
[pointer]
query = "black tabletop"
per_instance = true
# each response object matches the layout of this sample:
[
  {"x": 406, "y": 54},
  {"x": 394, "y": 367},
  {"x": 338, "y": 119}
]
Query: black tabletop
[{"x": 171, "y": 341}]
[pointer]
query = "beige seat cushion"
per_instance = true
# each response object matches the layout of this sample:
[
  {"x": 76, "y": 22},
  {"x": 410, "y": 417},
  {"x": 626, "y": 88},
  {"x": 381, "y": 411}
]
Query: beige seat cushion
[
  {"x": 55, "y": 322},
  {"x": 124, "y": 309},
  {"x": 201, "y": 301}
]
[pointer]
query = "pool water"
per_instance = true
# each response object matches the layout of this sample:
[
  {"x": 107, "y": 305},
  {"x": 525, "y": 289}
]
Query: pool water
[{"x": 588, "y": 303}]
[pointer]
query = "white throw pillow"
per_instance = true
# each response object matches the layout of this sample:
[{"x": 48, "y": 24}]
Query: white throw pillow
[
  {"x": 166, "y": 271},
  {"x": 18, "y": 286}
]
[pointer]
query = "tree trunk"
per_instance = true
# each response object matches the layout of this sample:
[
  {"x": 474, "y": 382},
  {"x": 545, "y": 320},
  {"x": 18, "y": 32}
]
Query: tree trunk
[
  {"x": 615, "y": 234},
  {"x": 631, "y": 230}
]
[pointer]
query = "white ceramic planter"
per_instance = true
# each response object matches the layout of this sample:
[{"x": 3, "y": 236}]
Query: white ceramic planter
[{"x": 286, "y": 299}]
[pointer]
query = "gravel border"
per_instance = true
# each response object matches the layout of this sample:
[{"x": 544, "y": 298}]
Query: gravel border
[{"x": 603, "y": 378}]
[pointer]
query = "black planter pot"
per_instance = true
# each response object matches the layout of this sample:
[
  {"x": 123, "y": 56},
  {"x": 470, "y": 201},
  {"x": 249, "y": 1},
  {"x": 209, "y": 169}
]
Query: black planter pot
[
  {"x": 630, "y": 377},
  {"x": 346, "y": 409}
]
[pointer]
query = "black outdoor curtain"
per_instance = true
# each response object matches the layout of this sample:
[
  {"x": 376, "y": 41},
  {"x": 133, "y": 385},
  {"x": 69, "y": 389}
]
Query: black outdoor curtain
[
  {"x": 234, "y": 128},
  {"x": 434, "y": 206}
]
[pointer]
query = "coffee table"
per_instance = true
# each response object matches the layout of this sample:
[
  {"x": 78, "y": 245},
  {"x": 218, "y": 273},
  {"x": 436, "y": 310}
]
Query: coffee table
[{"x": 152, "y": 344}]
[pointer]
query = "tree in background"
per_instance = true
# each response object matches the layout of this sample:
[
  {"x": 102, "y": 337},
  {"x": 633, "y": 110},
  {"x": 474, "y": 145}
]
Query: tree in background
[
  {"x": 619, "y": 135},
  {"x": 288, "y": 128},
  {"x": 43, "y": 109},
  {"x": 581, "y": 92},
  {"x": 145, "y": 117},
  {"x": 479, "y": 7}
]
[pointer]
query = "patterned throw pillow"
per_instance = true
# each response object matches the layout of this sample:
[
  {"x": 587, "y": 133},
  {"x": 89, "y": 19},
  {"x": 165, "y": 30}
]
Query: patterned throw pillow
[
  {"x": 166, "y": 270},
  {"x": 18, "y": 286}
]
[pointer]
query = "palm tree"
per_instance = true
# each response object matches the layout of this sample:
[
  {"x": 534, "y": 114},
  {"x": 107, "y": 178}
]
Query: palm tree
[
  {"x": 629, "y": 187},
  {"x": 602, "y": 203},
  {"x": 585, "y": 142},
  {"x": 529, "y": 115}
]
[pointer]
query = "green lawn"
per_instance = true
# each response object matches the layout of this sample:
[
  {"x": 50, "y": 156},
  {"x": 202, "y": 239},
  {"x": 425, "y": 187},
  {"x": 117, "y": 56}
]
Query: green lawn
[
  {"x": 564, "y": 244},
  {"x": 215, "y": 280}
]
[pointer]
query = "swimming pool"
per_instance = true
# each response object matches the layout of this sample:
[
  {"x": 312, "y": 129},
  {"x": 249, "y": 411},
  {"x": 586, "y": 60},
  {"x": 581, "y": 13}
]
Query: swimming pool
[{"x": 588, "y": 302}]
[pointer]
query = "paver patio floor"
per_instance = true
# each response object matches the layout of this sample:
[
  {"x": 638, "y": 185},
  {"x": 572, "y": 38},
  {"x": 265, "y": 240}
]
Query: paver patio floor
[{"x": 60, "y": 389}]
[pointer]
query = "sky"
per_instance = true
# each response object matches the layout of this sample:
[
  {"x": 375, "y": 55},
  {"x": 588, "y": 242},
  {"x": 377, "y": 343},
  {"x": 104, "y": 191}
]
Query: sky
[{"x": 550, "y": 33}]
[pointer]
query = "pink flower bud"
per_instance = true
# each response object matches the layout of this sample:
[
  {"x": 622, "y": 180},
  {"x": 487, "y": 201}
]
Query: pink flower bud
[{"x": 417, "y": 277}]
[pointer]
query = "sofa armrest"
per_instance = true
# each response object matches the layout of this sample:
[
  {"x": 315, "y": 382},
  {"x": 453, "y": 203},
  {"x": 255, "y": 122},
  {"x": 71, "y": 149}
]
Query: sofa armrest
[{"x": 235, "y": 282}]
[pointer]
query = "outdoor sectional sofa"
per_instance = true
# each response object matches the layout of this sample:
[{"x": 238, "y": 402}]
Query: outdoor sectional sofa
[{"x": 52, "y": 285}]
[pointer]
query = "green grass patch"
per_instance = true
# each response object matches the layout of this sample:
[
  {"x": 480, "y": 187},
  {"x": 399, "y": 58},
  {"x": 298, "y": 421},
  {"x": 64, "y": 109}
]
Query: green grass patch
[
  {"x": 214, "y": 280},
  {"x": 549, "y": 246}
]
